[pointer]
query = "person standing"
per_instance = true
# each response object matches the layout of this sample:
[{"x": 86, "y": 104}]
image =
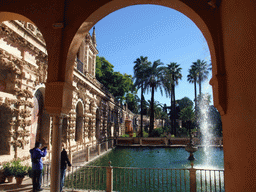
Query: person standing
[
  {"x": 63, "y": 166},
  {"x": 37, "y": 165}
]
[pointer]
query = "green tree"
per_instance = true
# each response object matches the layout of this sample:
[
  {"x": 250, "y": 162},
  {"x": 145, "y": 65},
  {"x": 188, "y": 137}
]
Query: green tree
[
  {"x": 184, "y": 102},
  {"x": 104, "y": 70},
  {"x": 192, "y": 78},
  {"x": 202, "y": 70},
  {"x": 160, "y": 112},
  {"x": 187, "y": 116},
  {"x": 154, "y": 80},
  {"x": 115, "y": 82},
  {"x": 145, "y": 106},
  {"x": 120, "y": 85},
  {"x": 215, "y": 120},
  {"x": 173, "y": 72},
  {"x": 140, "y": 68},
  {"x": 132, "y": 101},
  {"x": 157, "y": 109}
]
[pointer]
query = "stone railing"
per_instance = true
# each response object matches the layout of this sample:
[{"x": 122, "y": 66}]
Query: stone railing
[{"x": 164, "y": 141}]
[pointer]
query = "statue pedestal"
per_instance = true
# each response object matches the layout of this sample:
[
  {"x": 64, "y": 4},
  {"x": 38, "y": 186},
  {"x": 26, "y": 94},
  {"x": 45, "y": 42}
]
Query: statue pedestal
[
  {"x": 191, "y": 149},
  {"x": 128, "y": 127}
]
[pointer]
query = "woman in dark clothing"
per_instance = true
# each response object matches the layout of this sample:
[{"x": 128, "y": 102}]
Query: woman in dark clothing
[
  {"x": 63, "y": 166},
  {"x": 37, "y": 165}
]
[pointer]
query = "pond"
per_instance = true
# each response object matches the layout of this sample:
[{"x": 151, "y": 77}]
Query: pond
[
  {"x": 148, "y": 157},
  {"x": 151, "y": 169}
]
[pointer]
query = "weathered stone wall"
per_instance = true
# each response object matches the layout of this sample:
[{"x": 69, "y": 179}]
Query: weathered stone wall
[{"x": 95, "y": 115}]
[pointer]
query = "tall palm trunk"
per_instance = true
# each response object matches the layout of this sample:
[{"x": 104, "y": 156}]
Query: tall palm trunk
[
  {"x": 200, "y": 84},
  {"x": 195, "y": 98},
  {"x": 141, "y": 112},
  {"x": 151, "y": 126},
  {"x": 195, "y": 92},
  {"x": 174, "y": 123},
  {"x": 172, "y": 111}
]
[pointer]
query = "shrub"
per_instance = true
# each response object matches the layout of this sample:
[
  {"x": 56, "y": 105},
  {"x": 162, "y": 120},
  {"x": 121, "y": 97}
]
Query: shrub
[
  {"x": 157, "y": 132},
  {"x": 20, "y": 171},
  {"x": 30, "y": 172},
  {"x": 145, "y": 134},
  {"x": 125, "y": 135},
  {"x": 14, "y": 168},
  {"x": 8, "y": 169}
]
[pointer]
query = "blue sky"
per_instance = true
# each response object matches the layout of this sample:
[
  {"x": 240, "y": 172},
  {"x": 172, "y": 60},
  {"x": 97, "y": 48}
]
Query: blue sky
[{"x": 156, "y": 32}]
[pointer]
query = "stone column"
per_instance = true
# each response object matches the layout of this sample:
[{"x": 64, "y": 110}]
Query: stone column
[
  {"x": 109, "y": 178},
  {"x": 238, "y": 120},
  {"x": 87, "y": 153},
  {"x": 165, "y": 141},
  {"x": 56, "y": 150},
  {"x": 50, "y": 141},
  {"x": 106, "y": 145},
  {"x": 98, "y": 146},
  {"x": 69, "y": 140},
  {"x": 192, "y": 172}
]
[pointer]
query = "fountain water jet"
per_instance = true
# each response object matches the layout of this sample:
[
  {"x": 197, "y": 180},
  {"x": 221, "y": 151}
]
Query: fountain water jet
[{"x": 205, "y": 128}]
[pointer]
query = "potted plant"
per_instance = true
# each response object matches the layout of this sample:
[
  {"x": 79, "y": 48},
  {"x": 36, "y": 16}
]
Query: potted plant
[
  {"x": 8, "y": 171},
  {"x": 30, "y": 172},
  {"x": 19, "y": 172},
  {"x": 2, "y": 176}
]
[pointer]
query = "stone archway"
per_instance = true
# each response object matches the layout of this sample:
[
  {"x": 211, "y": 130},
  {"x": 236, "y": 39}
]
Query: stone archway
[
  {"x": 7, "y": 16},
  {"x": 60, "y": 78},
  {"x": 205, "y": 23}
]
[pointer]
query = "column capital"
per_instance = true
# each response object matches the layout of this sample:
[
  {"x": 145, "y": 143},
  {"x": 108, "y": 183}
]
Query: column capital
[
  {"x": 218, "y": 83},
  {"x": 58, "y": 97}
]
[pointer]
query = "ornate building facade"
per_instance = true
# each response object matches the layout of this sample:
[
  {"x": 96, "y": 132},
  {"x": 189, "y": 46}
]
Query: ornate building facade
[{"x": 95, "y": 115}]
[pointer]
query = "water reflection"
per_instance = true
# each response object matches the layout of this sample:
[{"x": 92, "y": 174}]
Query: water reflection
[{"x": 159, "y": 158}]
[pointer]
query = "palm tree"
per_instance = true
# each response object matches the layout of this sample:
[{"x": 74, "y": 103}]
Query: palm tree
[
  {"x": 140, "y": 68},
  {"x": 187, "y": 115},
  {"x": 160, "y": 112},
  {"x": 173, "y": 71},
  {"x": 192, "y": 78},
  {"x": 154, "y": 81},
  {"x": 157, "y": 109},
  {"x": 202, "y": 70}
]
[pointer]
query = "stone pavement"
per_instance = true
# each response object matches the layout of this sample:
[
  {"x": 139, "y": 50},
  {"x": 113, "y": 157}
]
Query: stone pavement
[
  {"x": 13, "y": 187},
  {"x": 26, "y": 185}
]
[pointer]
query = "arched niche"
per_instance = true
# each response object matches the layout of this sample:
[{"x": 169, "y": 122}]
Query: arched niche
[
  {"x": 90, "y": 130},
  {"x": 64, "y": 130},
  {"x": 5, "y": 122},
  {"x": 40, "y": 120},
  {"x": 98, "y": 120},
  {"x": 79, "y": 122}
]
